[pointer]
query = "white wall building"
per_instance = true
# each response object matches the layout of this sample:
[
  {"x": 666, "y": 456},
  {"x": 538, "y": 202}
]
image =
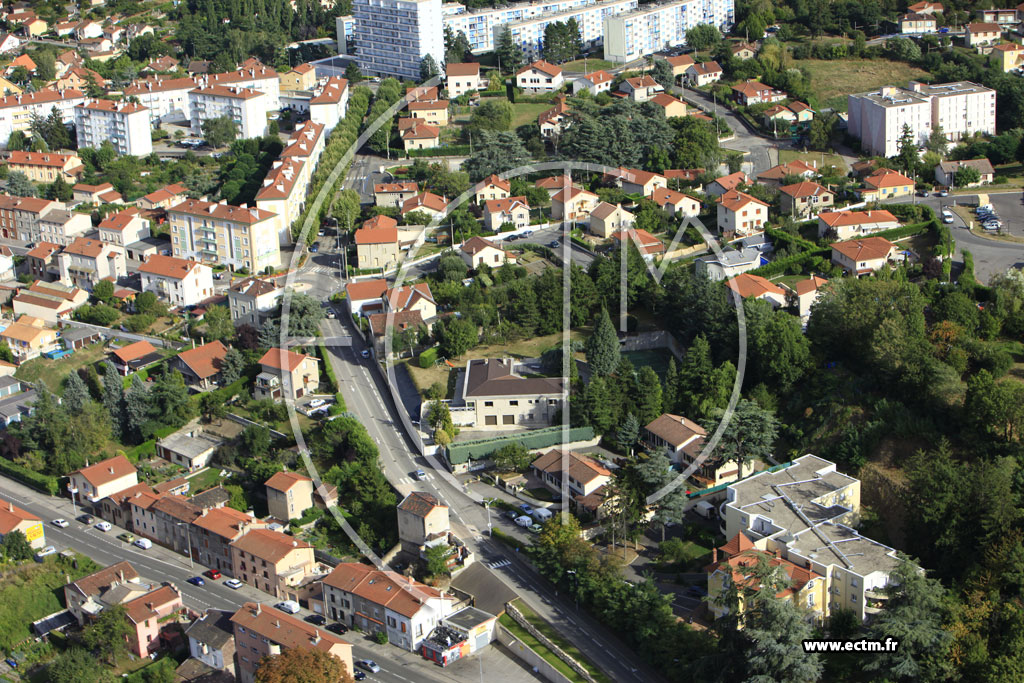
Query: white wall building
[
  {"x": 656, "y": 27},
  {"x": 528, "y": 32},
  {"x": 395, "y": 35},
  {"x": 126, "y": 125},
  {"x": 345, "y": 28},
  {"x": 248, "y": 108},
  {"x": 180, "y": 282},
  {"x": 329, "y": 103},
  {"x": 166, "y": 98},
  {"x": 283, "y": 194},
  {"x": 962, "y": 108},
  {"x": 16, "y": 110}
]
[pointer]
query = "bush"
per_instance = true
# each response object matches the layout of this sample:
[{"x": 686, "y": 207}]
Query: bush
[
  {"x": 338, "y": 407},
  {"x": 332, "y": 380},
  {"x": 381, "y": 637},
  {"x": 41, "y": 482},
  {"x": 428, "y": 358}
]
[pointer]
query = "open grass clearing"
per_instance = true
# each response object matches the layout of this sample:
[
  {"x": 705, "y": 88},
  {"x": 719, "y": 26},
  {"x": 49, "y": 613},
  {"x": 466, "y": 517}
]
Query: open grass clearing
[
  {"x": 527, "y": 112},
  {"x": 822, "y": 159},
  {"x": 53, "y": 372},
  {"x": 833, "y": 80},
  {"x": 588, "y": 65}
]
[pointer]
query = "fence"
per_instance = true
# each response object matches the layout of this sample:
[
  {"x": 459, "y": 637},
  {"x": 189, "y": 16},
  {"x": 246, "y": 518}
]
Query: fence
[
  {"x": 461, "y": 453},
  {"x": 111, "y": 333},
  {"x": 517, "y": 617}
]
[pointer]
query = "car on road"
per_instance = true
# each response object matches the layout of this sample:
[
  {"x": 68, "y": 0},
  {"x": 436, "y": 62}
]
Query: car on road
[
  {"x": 43, "y": 552},
  {"x": 369, "y": 665},
  {"x": 316, "y": 619},
  {"x": 143, "y": 543},
  {"x": 196, "y": 581},
  {"x": 512, "y": 514},
  {"x": 233, "y": 583},
  {"x": 317, "y": 402},
  {"x": 289, "y": 606},
  {"x": 922, "y": 193},
  {"x": 86, "y": 519},
  {"x": 526, "y": 233},
  {"x": 62, "y": 523},
  {"x": 553, "y": 243},
  {"x": 944, "y": 193},
  {"x": 534, "y": 528},
  {"x": 947, "y": 219},
  {"x": 420, "y": 475},
  {"x": 212, "y": 574},
  {"x": 104, "y": 526},
  {"x": 126, "y": 537},
  {"x": 331, "y": 315},
  {"x": 524, "y": 521},
  {"x": 337, "y": 627},
  {"x": 359, "y": 676},
  {"x": 527, "y": 510},
  {"x": 315, "y": 248},
  {"x": 364, "y": 353}
]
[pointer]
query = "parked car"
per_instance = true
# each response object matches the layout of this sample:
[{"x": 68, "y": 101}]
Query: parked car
[
  {"x": 527, "y": 510},
  {"x": 289, "y": 606},
  {"x": 526, "y": 233},
  {"x": 317, "y": 402},
  {"x": 11, "y": 662},
  {"x": 86, "y": 519},
  {"x": 126, "y": 537},
  {"x": 553, "y": 243},
  {"x": 196, "y": 581},
  {"x": 364, "y": 353},
  {"x": 511, "y": 514},
  {"x": 233, "y": 583},
  {"x": 62, "y": 523},
  {"x": 944, "y": 193},
  {"x": 337, "y": 627},
  {"x": 43, "y": 552},
  {"x": 524, "y": 521},
  {"x": 316, "y": 619},
  {"x": 143, "y": 543},
  {"x": 104, "y": 526},
  {"x": 534, "y": 528},
  {"x": 212, "y": 574},
  {"x": 315, "y": 248},
  {"x": 359, "y": 676},
  {"x": 369, "y": 665}
]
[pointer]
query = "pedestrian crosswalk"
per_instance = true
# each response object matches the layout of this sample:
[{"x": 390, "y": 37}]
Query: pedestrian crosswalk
[
  {"x": 500, "y": 563},
  {"x": 412, "y": 480},
  {"x": 325, "y": 270}
]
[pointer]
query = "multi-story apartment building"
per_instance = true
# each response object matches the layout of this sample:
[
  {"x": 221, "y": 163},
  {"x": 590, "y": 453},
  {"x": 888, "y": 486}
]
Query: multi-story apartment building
[
  {"x": 394, "y": 36},
  {"x": 283, "y": 195},
  {"x": 252, "y": 300},
  {"x": 345, "y": 28},
  {"x": 254, "y": 75},
  {"x": 165, "y": 98},
  {"x": 86, "y": 261},
  {"x": 962, "y": 108},
  {"x": 656, "y": 27},
  {"x": 180, "y": 282},
  {"x": 329, "y": 103},
  {"x": 246, "y": 107},
  {"x": 44, "y": 167},
  {"x": 238, "y": 237},
  {"x": 42, "y": 220},
  {"x": 272, "y": 562},
  {"x": 214, "y": 531},
  {"x": 528, "y": 32},
  {"x": 125, "y": 125},
  {"x": 306, "y": 144},
  {"x": 16, "y": 111}
]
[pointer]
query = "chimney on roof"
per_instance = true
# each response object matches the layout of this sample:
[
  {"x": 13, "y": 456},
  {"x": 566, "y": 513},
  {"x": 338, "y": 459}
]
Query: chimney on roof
[{"x": 277, "y": 623}]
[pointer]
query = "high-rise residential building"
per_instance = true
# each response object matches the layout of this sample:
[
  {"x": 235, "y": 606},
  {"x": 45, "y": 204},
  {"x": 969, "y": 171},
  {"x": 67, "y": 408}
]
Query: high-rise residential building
[
  {"x": 656, "y": 27},
  {"x": 235, "y": 236},
  {"x": 962, "y": 108},
  {"x": 246, "y": 107},
  {"x": 345, "y": 27},
  {"x": 528, "y": 32},
  {"x": 16, "y": 111},
  {"x": 394, "y": 36},
  {"x": 126, "y": 125}
]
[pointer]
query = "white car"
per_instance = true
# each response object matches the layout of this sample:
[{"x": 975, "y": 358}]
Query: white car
[
  {"x": 317, "y": 402},
  {"x": 143, "y": 543},
  {"x": 524, "y": 521},
  {"x": 364, "y": 353},
  {"x": 62, "y": 523},
  {"x": 233, "y": 583},
  {"x": 43, "y": 552},
  {"x": 104, "y": 526},
  {"x": 289, "y": 606}
]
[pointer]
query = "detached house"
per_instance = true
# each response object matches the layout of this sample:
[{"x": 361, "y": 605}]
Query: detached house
[
  {"x": 914, "y": 23},
  {"x": 477, "y": 250},
  {"x": 805, "y": 198},
  {"x": 886, "y": 183},
  {"x": 422, "y": 519},
  {"x": 95, "y": 482},
  {"x": 740, "y": 214},
  {"x": 847, "y": 224},
  {"x": 503, "y": 399},
  {"x": 540, "y": 76},
  {"x": 640, "y": 88},
  {"x": 863, "y": 256},
  {"x": 394, "y": 194},
  {"x": 491, "y": 187},
  {"x": 461, "y": 78},
  {"x": 201, "y": 366},
  {"x": 595, "y": 82},
  {"x": 754, "y": 92},
  {"x": 416, "y": 297},
  {"x": 366, "y": 296},
  {"x": 574, "y": 204},
  {"x": 302, "y": 371},
  {"x": 703, "y": 74},
  {"x": 586, "y": 475},
  {"x": 673, "y": 106},
  {"x": 86, "y": 261},
  {"x": 750, "y": 286},
  {"x": 635, "y": 181},
  {"x": 420, "y": 135},
  {"x": 29, "y": 337},
  {"x": 607, "y": 219},
  {"x": 682, "y": 437},
  {"x": 982, "y": 34},
  {"x": 776, "y": 175},
  {"x": 252, "y": 300},
  {"x": 675, "y": 203},
  {"x": 553, "y": 121},
  {"x": 181, "y": 282},
  {"x": 514, "y": 210},
  {"x": 377, "y": 243},
  {"x": 720, "y": 186},
  {"x": 945, "y": 172},
  {"x": 289, "y": 495},
  {"x": 426, "y": 202},
  {"x": 807, "y": 293}
]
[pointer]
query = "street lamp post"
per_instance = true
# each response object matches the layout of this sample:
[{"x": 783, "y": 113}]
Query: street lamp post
[
  {"x": 188, "y": 537},
  {"x": 487, "y": 506},
  {"x": 74, "y": 508}
]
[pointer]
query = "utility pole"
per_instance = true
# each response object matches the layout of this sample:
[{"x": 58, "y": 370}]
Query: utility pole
[{"x": 188, "y": 537}]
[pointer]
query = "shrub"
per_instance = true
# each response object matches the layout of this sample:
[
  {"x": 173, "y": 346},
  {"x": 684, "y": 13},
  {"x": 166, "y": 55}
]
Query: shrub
[
  {"x": 428, "y": 358},
  {"x": 37, "y": 480}
]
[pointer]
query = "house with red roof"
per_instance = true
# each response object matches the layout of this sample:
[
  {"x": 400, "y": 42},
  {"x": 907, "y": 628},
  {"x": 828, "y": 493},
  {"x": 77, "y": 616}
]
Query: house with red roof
[
  {"x": 649, "y": 245},
  {"x": 720, "y": 186},
  {"x": 750, "y": 286},
  {"x": 417, "y": 297},
  {"x": 885, "y": 183},
  {"x": 540, "y": 76},
  {"x": 426, "y": 202},
  {"x": 640, "y": 88},
  {"x": 805, "y": 198},
  {"x": 596, "y": 82},
  {"x": 847, "y": 224},
  {"x": 365, "y": 296},
  {"x": 377, "y": 243},
  {"x": 462, "y": 77},
  {"x": 96, "y": 482},
  {"x": 740, "y": 214},
  {"x": 394, "y": 194},
  {"x": 755, "y": 92},
  {"x": 807, "y": 293},
  {"x": 491, "y": 187},
  {"x": 509, "y": 210},
  {"x": 703, "y": 74},
  {"x": 286, "y": 373},
  {"x": 863, "y": 256},
  {"x": 477, "y": 250},
  {"x": 201, "y": 366}
]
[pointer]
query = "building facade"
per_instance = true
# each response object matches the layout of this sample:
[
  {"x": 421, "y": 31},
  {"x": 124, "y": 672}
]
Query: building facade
[
  {"x": 656, "y": 27},
  {"x": 222, "y": 234},
  {"x": 125, "y": 125},
  {"x": 393, "y": 36}
]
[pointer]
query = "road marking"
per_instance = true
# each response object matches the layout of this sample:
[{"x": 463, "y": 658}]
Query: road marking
[{"x": 500, "y": 563}]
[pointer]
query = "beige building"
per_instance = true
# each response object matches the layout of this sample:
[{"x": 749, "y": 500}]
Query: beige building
[
  {"x": 221, "y": 234},
  {"x": 301, "y": 77},
  {"x": 13, "y": 518},
  {"x": 502, "y": 399},
  {"x": 491, "y": 187},
  {"x": 29, "y": 337},
  {"x": 435, "y": 113},
  {"x": 86, "y": 261},
  {"x": 750, "y": 286},
  {"x": 607, "y": 219},
  {"x": 863, "y": 256},
  {"x": 805, "y": 198},
  {"x": 272, "y": 562},
  {"x": 585, "y": 475},
  {"x": 283, "y": 195},
  {"x": 302, "y": 371},
  {"x": 124, "y": 227},
  {"x": 982, "y": 34},
  {"x": 419, "y": 134},
  {"x": 540, "y": 76},
  {"x": 290, "y": 494},
  {"x": 807, "y": 293},
  {"x": 675, "y": 203},
  {"x": 740, "y": 214},
  {"x": 416, "y": 297},
  {"x": 252, "y": 300},
  {"x": 461, "y": 78},
  {"x": 95, "y": 482},
  {"x": 640, "y": 88},
  {"x": 421, "y": 518},
  {"x": 45, "y": 167},
  {"x": 377, "y": 243},
  {"x": 514, "y": 210},
  {"x": 477, "y": 250},
  {"x": 847, "y": 224},
  {"x": 573, "y": 204},
  {"x": 393, "y": 195},
  {"x": 49, "y": 301}
]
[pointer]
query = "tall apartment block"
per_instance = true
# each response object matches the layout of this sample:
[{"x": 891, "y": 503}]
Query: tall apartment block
[
  {"x": 529, "y": 32},
  {"x": 394, "y": 36},
  {"x": 126, "y": 125},
  {"x": 235, "y": 236},
  {"x": 877, "y": 118},
  {"x": 656, "y": 27}
]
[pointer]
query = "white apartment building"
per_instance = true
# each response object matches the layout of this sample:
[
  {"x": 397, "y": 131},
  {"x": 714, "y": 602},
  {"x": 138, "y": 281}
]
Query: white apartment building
[
  {"x": 16, "y": 110},
  {"x": 528, "y": 32},
  {"x": 166, "y": 98},
  {"x": 124, "y": 227},
  {"x": 86, "y": 261},
  {"x": 329, "y": 103},
  {"x": 248, "y": 108},
  {"x": 395, "y": 35},
  {"x": 126, "y": 125},
  {"x": 482, "y": 27},
  {"x": 235, "y": 236},
  {"x": 254, "y": 76},
  {"x": 305, "y": 145},
  {"x": 180, "y": 282},
  {"x": 284, "y": 194},
  {"x": 656, "y": 27},
  {"x": 961, "y": 108},
  {"x": 345, "y": 28}
]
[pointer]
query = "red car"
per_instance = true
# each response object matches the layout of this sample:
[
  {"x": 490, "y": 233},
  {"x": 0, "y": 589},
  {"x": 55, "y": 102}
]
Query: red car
[{"x": 212, "y": 573}]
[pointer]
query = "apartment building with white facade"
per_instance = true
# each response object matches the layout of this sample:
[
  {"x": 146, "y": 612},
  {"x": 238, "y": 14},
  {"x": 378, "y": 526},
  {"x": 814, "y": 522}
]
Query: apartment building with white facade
[
  {"x": 247, "y": 107},
  {"x": 125, "y": 124},
  {"x": 329, "y": 103},
  {"x": 165, "y": 98},
  {"x": 284, "y": 194},
  {"x": 961, "y": 108},
  {"x": 254, "y": 75},
  {"x": 528, "y": 32},
  {"x": 180, "y": 282},
  {"x": 656, "y": 27},
  {"x": 16, "y": 111},
  {"x": 235, "y": 236},
  {"x": 393, "y": 36}
]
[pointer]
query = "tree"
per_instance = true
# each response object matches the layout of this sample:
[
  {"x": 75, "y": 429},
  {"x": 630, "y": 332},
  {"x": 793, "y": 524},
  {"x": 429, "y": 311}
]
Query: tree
[
  {"x": 113, "y": 397},
  {"x": 211, "y": 407},
  {"x": 428, "y": 68},
  {"x": 76, "y": 394},
  {"x": 170, "y": 400},
  {"x": 562, "y": 41},
  {"x": 649, "y": 395},
  {"x": 512, "y": 457},
  {"x": 19, "y": 185},
  {"x": 437, "y": 559},
  {"x": 661, "y": 71},
  {"x": 458, "y": 335},
  {"x": 510, "y": 53},
  {"x": 497, "y": 152},
  {"x": 59, "y": 190},
  {"x": 304, "y": 316},
  {"x": 76, "y": 665},
  {"x": 819, "y": 135},
  {"x": 440, "y": 417},
  {"x": 628, "y": 432},
  {"x": 270, "y": 334},
  {"x": 16, "y": 141},
  {"x": 906, "y": 157},
  {"x": 703, "y": 37},
  {"x": 302, "y": 665},
  {"x": 966, "y": 176},
  {"x": 136, "y": 410},
  {"x": 220, "y": 131},
  {"x": 109, "y": 633},
  {"x": 937, "y": 141},
  {"x": 750, "y": 434},
  {"x": 218, "y": 323},
  {"x": 352, "y": 73},
  {"x": 493, "y": 115},
  {"x": 16, "y": 547},
  {"x": 232, "y": 367},
  {"x": 602, "y": 346},
  {"x": 103, "y": 291}
]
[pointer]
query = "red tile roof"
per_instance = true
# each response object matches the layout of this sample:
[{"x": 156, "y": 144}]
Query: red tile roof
[
  {"x": 366, "y": 289},
  {"x": 134, "y": 351},
  {"x": 865, "y": 249},
  {"x": 748, "y": 285},
  {"x": 168, "y": 266},
  {"x": 206, "y": 360},
  {"x": 107, "y": 470},
  {"x": 283, "y": 360}
]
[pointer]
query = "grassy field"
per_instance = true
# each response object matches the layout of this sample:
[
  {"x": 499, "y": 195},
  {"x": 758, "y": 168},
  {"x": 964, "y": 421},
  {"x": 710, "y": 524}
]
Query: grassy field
[
  {"x": 832, "y": 80},
  {"x": 588, "y": 65},
  {"x": 525, "y": 112},
  {"x": 823, "y": 160},
  {"x": 53, "y": 372},
  {"x": 424, "y": 377},
  {"x": 204, "y": 480},
  {"x": 525, "y": 348}
]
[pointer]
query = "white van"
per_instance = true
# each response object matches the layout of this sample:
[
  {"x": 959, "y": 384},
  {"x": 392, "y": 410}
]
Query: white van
[
  {"x": 704, "y": 509},
  {"x": 143, "y": 543},
  {"x": 542, "y": 515}
]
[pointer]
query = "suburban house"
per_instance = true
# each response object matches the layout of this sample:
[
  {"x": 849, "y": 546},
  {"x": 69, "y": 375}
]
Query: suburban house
[
  {"x": 679, "y": 435},
  {"x": 215, "y": 529},
  {"x": 805, "y": 198},
  {"x": 116, "y": 508},
  {"x": 49, "y": 301},
  {"x": 553, "y": 121},
  {"x": 201, "y": 366},
  {"x": 1008, "y": 56},
  {"x": 554, "y": 184},
  {"x": 164, "y": 198},
  {"x": 540, "y": 77},
  {"x": 749, "y": 286},
  {"x": 377, "y": 243},
  {"x": 503, "y": 399},
  {"x": 211, "y": 641},
  {"x": 514, "y": 210},
  {"x": 917, "y": 23},
  {"x": 272, "y": 562},
  {"x": 416, "y": 297},
  {"x": 755, "y": 92},
  {"x": 863, "y": 256},
  {"x": 17, "y": 399},
  {"x": 776, "y": 175},
  {"x": 89, "y": 194},
  {"x": 134, "y": 356},
  {"x": 301, "y": 77},
  {"x": 491, "y": 187},
  {"x": 981, "y": 34},
  {"x": 422, "y": 518},
  {"x": 789, "y": 118},
  {"x": 847, "y": 224},
  {"x": 743, "y": 51},
  {"x": 45, "y": 167},
  {"x": 263, "y": 631},
  {"x": 807, "y": 293},
  {"x": 596, "y": 82},
  {"x": 191, "y": 447},
  {"x": 703, "y": 74},
  {"x": 83, "y": 597},
  {"x": 574, "y": 204},
  {"x": 252, "y": 300},
  {"x": 460, "y": 78},
  {"x": 635, "y": 181},
  {"x": 477, "y": 250},
  {"x": 366, "y": 296},
  {"x": 740, "y": 214},
  {"x": 607, "y": 219},
  {"x": 147, "y": 614},
  {"x": 925, "y": 7},
  {"x": 804, "y": 512},
  {"x": 426, "y": 202},
  {"x": 394, "y": 194},
  {"x": 290, "y": 494},
  {"x": 647, "y": 244},
  {"x": 719, "y": 186},
  {"x": 29, "y": 337},
  {"x": 886, "y": 183},
  {"x": 675, "y": 202},
  {"x": 41, "y": 261},
  {"x": 302, "y": 371},
  {"x": 399, "y": 321},
  {"x": 732, "y": 262},
  {"x": 124, "y": 227},
  {"x": 13, "y": 518},
  {"x": 377, "y": 601},
  {"x": 586, "y": 475},
  {"x": 418, "y": 134},
  {"x": 181, "y": 282},
  {"x": 95, "y": 482},
  {"x": 673, "y": 106},
  {"x": 679, "y": 66},
  {"x": 640, "y": 88},
  {"x": 945, "y": 172}
]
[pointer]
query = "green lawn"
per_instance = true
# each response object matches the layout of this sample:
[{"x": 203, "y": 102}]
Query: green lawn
[
  {"x": 588, "y": 65},
  {"x": 525, "y": 112},
  {"x": 657, "y": 359},
  {"x": 204, "y": 480},
  {"x": 821, "y": 159},
  {"x": 555, "y": 637},
  {"x": 832, "y": 80},
  {"x": 53, "y": 372}
]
